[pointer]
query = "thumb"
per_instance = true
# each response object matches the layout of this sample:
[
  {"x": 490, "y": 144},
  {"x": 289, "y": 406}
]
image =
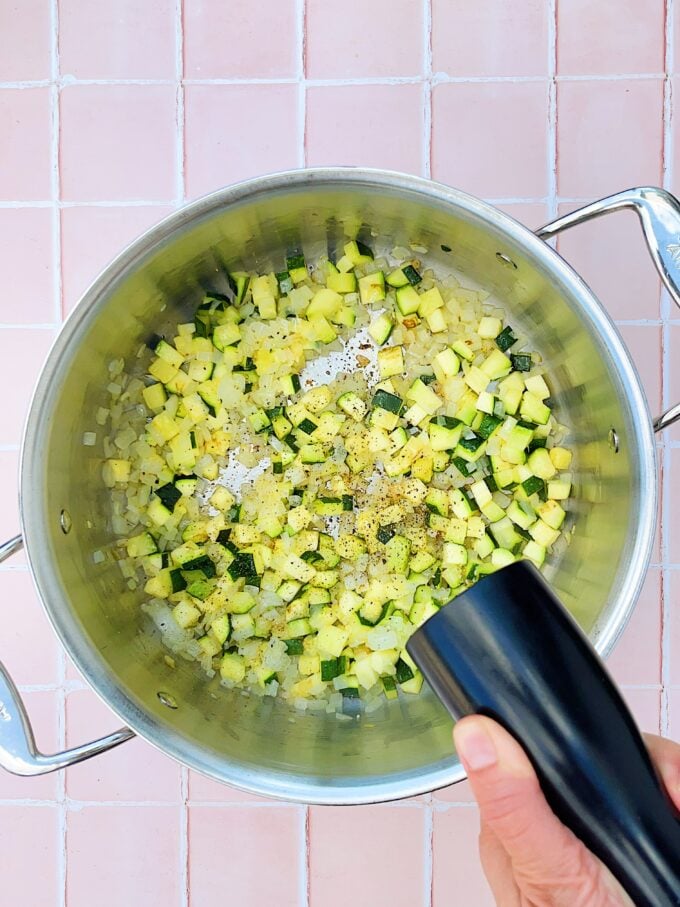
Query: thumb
[
  {"x": 511, "y": 802},
  {"x": 666, "y": 756}
]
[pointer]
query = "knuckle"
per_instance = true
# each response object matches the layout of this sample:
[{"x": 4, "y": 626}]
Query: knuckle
[
  {"x": 507, "y": 802},
  {"x": 573, "y": 877}
]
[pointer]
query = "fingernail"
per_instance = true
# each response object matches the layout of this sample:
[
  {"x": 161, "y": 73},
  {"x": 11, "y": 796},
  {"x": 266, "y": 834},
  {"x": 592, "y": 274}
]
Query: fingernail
[{"x": 475, "y": 747}]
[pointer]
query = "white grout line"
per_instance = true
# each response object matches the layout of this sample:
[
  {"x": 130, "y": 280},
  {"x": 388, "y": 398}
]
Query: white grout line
[
  {"x": 552, "y": 109},
  {"x": 121, "y": 203},
  {"x": 56, "y": 213},
  {"x": 303, "y": 857},
  {"x": 180, "y": 114},
  {"x": 185, "y": 895},
  {"x": 428, "y": 822},
  {"x": 62, "y": 863},
  {"x": 180, "y": 193},
  {"x": 61, "y": 786},
  {"x": 665, "y": 391},
  {"x": 68, "y": 686},
  {"x": 301, "y": 15},
  {"x": 437, "y": 78},
  {"x": 611, "y": 77},
  {"x": 427, "y": 88},
  {"x": 76, "y": 805},
  {"x": 442, "y": 806},
  {"x": 55, "y": 176},
  {"x": 169, "y": 202},
  {"x": 25, "y": 84},
  {"x": 428, "y": 858},
  {"x": 39, "y": 327}
]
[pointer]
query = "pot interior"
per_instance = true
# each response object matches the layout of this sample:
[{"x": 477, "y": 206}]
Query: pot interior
[{"x": 265, "y": 745}]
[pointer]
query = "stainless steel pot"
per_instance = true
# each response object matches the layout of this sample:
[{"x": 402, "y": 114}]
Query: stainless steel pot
[{"x": 264, "y": 746}]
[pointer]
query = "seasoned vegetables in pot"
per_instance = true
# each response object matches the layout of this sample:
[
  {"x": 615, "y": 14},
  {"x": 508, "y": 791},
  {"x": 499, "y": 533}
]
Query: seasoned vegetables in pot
[{"x": 322, "y": 458}]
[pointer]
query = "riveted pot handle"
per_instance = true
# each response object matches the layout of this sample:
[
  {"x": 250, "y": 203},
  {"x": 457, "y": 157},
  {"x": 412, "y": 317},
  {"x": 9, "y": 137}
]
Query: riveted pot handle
[
  {"x": 659, "y": 214},
  {"x": 18, "y": 751}
]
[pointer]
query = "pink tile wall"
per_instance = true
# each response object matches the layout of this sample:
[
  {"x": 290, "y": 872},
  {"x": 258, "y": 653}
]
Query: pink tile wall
[{"x": 113, "y": 115}]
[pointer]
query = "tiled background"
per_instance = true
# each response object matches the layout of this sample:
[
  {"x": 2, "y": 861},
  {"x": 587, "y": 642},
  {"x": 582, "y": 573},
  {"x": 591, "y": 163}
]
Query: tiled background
[{"x": 113, "y": 115}]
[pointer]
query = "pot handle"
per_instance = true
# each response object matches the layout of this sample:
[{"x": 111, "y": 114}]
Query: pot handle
[
  {"x": 18, "y": 751},
  {"x": 659, "y": 214}
]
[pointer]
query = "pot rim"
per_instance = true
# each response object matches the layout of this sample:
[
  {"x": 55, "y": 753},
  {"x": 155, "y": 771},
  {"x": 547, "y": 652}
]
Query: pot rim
[{"x": 31, "y": 492}]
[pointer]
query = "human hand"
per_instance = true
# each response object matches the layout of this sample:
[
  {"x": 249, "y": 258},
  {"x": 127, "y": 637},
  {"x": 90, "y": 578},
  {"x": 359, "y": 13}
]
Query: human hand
[{"x": 529, "y": 858}]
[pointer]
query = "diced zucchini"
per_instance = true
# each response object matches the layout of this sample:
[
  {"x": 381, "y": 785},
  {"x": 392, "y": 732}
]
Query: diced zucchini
[
  {"x": 353, "y": 405},
  {"x": 505, "y": 534},
  {"x": 372, "y": 288},
  {"x": 259, "y": 420},
  {"x": 226, "y": 335},
  {"x": 443, "y": 437},
  {"x": 460, "y": 504},
  {"x": 381, "y": 328},
  {"x": 312, "y": 453},
  {"x": 496, "y": 365},
  {"x": 462, "y": 349},
  {"x": 384, "y": 400},
  {"x": 501, "y": 557},
  {"x": 397, "y": 552},
  {"x": 510, "y": 392},
  {"x": 489, "y": 328},
  {"x": 536, "y": 385},
  {"x": 239, "y": 282},
  {"x": 157, "y": 512},
  {"x": 421, "y": 561},
  {"x": 506, "y": 339},
  {"x": 521, "y": 516},
  {"x": 430, "y": 301},
  {"x": 390, "y": 362},
  {"x": 408, "y": 300},
  {"x": 342, "y": 283},
  {"x": 561, "y": 457},
  {"x": 232, "y": 667},
  {"x": 316, "y": 399},
  {"x": 551, "y": 513},
  {"x": 358, "y": 253},
  {"x": 544, "y": 534},
  {"x": 436, "y": 321},
  {"x": 169, "y": 354},
  {"x": 454, "y": 555},
  {"x": 477, "y": 379},
  {"x": 160, "y": 586},
  {"x": 446, "y": 364},
  {"x": 437, "y": 501},
  {"x": 534, "y": 410},
  {"x": 414, "y": 685},
  {"x": 541, "y": 464},
  {"x": 397, "y": 278},
  {"x": 424, "y": 397},
  {"x": 332, "y": 640},
  {"x": 559, "y": 490},
  {"x": 534, "y": 552},
  {"x": 325, "y": 303},
  {"x": 155, "y": 396}
]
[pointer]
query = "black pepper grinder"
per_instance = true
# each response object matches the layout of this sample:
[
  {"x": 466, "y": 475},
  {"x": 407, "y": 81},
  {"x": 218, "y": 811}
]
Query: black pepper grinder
[{"x": 507, "y": 648}]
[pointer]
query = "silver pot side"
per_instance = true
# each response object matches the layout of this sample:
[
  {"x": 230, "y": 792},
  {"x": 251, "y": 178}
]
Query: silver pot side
[{"x": 264, "y": 746}]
